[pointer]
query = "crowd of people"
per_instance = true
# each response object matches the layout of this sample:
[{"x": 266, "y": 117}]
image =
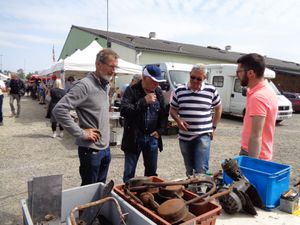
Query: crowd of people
[{"x": 145, "y": 115}]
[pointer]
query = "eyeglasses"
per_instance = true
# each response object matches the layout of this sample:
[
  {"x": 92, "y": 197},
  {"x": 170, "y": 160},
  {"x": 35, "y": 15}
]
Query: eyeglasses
[
  {"x": 196, "y": 78},
  {"x": 112, "y": 67},
  {"x": 239, "y": 71}
]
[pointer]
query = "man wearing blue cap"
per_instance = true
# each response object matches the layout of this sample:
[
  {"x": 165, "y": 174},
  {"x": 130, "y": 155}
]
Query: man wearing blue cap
[{"x": 145, "y": 117}]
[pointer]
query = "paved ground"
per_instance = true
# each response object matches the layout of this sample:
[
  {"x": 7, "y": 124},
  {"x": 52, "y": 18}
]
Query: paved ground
[{"x": 27, "y": 150}]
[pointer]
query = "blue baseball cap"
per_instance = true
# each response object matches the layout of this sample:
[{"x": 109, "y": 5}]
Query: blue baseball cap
[{"x": 154, "y": 73}]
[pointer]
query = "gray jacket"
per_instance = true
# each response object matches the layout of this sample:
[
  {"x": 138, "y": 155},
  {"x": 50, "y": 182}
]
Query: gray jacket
[{"x": 89, "y": 97}]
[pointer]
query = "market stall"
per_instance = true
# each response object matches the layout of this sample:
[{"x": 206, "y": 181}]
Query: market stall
[{"x": 83, "y": 61}]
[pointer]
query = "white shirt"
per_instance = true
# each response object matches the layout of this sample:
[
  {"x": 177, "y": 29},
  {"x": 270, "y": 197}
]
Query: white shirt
[{"x": 2, "y": 85}]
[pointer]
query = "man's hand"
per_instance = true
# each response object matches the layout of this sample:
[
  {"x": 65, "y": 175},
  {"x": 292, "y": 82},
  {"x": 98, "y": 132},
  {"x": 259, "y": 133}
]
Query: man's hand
[
  {"x": 150, "y": 98},
  {"x": 155, "y": 134},
  {"x": 92, "y": 134},
  {"x": 182, "y": 124},
  {"x": 212, "y": 135}
]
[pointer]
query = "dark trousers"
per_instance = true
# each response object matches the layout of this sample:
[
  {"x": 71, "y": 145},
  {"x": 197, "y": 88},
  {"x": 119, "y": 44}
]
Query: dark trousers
[
  {"x": 54, "y": 125},
  {"x": 94, "y": 165},
  {"x": 1, "y": 104}
]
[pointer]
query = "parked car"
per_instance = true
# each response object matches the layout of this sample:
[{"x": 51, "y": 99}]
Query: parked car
[{"x": 294, "y": 98}]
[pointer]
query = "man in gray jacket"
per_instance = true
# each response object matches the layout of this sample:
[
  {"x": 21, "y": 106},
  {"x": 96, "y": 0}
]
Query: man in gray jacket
[{"x": 89, "y": 97}]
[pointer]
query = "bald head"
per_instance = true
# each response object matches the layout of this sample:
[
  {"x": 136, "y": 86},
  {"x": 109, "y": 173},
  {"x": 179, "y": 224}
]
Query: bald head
[{"x": 13, "y": 76}]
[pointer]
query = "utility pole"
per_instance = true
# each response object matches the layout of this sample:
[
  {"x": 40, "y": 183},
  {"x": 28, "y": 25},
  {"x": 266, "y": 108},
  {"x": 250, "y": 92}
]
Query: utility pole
[
  {"x": 24, "y": 68},
  {"x": 107, "y": 23},
  {"x": 1, "y": 63}
]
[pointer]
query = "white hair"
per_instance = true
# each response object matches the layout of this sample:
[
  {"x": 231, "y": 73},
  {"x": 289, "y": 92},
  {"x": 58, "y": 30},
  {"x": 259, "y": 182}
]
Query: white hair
[
  {"x": 199, "y": 67},
  {"x": 57, "y": 84}
]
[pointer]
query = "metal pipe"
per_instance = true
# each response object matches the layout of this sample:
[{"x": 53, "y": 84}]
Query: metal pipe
[
  {"x": 148, "y": 184},
  {"x": 217, "y": 195},
  {"x": 91, "y": 204}
]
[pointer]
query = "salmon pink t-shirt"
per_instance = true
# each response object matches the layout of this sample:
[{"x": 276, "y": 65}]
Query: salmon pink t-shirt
[{"x": 261, "y": 101}]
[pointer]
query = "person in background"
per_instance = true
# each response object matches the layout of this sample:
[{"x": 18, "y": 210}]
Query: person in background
[
  {"x": 2, "y": 89},
  {"x": 16, "y": 88},
  {"x": 89, "y": 97},
  {"x": 70, "y": 83},
  {"x": 191, "y": 108},
  {"x": 136, "y": 78},
  {"x": 42, "y": 92},
  {"x": 56, "y": 93},
  {"x": 261, "y": 108},
  {"x": 28, "y": 88},
  {"x": 145, "y": 117}
]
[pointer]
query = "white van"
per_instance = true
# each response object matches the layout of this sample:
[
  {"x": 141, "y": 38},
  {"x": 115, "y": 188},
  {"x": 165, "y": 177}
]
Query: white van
[
  {"x": 223, "y": 77},
  {"x": 176, "y": 74}
]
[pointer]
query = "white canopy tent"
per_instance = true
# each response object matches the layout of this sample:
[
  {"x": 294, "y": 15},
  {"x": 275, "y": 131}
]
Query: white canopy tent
[
  {"x": 3, "y": 77},
  {"x": 84, "y": 60}
]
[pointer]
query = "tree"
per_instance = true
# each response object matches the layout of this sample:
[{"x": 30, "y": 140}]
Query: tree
[
  {"x": 6, "y": 72},
  {"x": 20, "y": 73}
]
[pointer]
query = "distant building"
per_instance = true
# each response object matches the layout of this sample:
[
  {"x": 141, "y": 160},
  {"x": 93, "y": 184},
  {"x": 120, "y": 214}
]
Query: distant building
[{"x": 143, "y": 50}]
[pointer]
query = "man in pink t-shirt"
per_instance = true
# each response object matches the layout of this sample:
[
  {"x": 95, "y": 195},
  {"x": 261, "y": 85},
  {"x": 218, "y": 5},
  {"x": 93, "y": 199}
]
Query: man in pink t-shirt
[{"x": 261, "y": 108}]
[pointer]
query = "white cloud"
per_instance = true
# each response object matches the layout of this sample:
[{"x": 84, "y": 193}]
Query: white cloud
[
  {"x": 11, "y": 44},
  {"x": 268, "y": 27},
  {"x": 28, "y": 38}
]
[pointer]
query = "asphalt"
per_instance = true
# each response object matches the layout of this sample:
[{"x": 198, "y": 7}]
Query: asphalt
[{"x": 28, "y": 150}]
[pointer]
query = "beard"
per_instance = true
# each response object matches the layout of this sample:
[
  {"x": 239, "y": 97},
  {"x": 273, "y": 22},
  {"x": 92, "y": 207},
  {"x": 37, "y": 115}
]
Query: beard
[
  {"x": 244, "y": 82},
  {"x": 107, "y": 77}
]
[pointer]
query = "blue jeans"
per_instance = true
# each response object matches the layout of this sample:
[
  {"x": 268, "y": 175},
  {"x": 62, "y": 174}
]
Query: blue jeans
[
  {"x": 1, "y": 104},
  {"x": 196, "y": 154},
  {"x": 149, "y": 147},
  {"x": 93, "y": 165}
]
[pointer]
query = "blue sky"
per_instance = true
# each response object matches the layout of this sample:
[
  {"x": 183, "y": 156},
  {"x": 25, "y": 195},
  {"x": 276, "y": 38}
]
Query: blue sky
[{"x": 29, "y": 29}]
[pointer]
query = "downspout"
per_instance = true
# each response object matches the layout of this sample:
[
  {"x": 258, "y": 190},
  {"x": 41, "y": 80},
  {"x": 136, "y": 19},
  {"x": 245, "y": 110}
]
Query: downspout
[{"x": 137, "y": 59}]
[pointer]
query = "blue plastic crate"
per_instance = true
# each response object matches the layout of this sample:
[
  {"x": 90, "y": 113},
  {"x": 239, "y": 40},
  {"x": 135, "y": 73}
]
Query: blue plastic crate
[{"x": 270, "y": 179}]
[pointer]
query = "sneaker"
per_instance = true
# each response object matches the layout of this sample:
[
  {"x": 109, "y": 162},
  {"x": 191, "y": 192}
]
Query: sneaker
[
  {"x": 61, "y": 134},
  {"x": 54, "y": 134},
  {"x": 1, "y": 123}
]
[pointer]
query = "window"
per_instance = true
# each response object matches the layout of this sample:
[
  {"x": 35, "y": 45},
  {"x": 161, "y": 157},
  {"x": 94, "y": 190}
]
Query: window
[
  {"x": 237, "y": 86},
  {"x": 218, "y": 81},
  {"x": 179, "y": 77}
]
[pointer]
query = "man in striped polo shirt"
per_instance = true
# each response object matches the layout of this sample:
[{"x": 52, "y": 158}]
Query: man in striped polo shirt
[{"x": 191, "y": 108}]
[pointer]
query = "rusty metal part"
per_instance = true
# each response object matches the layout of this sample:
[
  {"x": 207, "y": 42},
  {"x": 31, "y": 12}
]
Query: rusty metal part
[
  {"x": 91, "y": 204},
  {"x": 146, "y": 184},
  {"x": 170, "y": 192},
  {"x": 137, "y": 181},
  {"x": 246, "y": 192},
  {"x": 148, "y": 199},
  {"x": 153, "y": 190},
  {"x": 173, "y": 210},
  {"x": 188, "y": 217},
  {"x": 232, "y": 169},
  {"x": 106, "y": 190},
  {"x": 131, "y": 195},
  {"x": 217, "y": 195}
]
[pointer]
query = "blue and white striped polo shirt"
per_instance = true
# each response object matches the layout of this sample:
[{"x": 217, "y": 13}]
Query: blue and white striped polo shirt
[{"x": 195, "y": 107}]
